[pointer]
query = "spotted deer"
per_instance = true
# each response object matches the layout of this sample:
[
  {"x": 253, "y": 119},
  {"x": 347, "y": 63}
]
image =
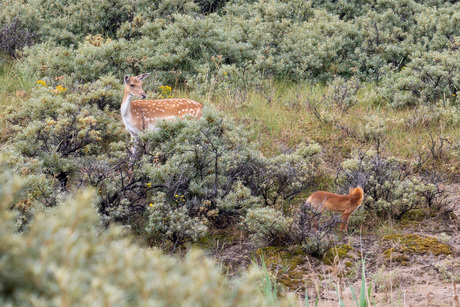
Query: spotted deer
[{"x": 140, "y": 115}]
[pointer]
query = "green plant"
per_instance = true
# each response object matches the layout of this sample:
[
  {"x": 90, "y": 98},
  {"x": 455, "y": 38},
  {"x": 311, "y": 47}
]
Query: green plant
[
  {"x": 65, "y": 258},
  {"x": 342, "y": 93},
  {"x": 267, "y": 225},
  {"x": 269, "y": 288},
  {"x": 13, "y": 38},
  {"x": 390, "y": 187},
  {"x": 364, "y": 293}
]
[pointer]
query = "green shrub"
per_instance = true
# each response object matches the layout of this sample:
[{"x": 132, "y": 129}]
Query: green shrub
[
  {"x": 312, "y": 230},
  {"x": 13, "y": 38},
  {"x": 51, "y": 133},
  {"x": 390, "y": 187},
  {"x": 66, "y": 259},
  {"x": 341, "y": 93},
  {"x": 440, "y": 113},
  {"x": 267, "y": 225},
  {"x": 428, "y": 78},
  {"x": 199, "y": 173},
  {"x": 171, "y": 221},
  {"x": 208, "y": 169},
  {"x": 205, "y": 44},
  {"x": 303, "y": 225}
]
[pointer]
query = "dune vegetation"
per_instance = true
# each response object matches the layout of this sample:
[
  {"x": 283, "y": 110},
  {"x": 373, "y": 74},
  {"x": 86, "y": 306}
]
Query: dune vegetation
[{"x": 298, "y": 96}]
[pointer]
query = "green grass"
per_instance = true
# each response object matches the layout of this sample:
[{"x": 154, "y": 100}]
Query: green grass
[
  {"x": 287, "y": 119},
  {"x": 14, "y": 87}
]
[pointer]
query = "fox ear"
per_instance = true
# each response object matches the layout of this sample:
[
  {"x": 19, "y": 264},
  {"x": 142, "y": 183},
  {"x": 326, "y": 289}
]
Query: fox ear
[{"x": 350, "y": 189}]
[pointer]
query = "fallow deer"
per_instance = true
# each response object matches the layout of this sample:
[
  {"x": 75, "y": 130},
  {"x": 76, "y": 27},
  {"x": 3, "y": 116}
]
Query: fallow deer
[{"x": 140, "y": 115}]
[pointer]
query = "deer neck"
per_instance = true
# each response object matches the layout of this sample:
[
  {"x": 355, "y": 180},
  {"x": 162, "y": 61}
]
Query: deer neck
[{"x": 126, "y": 104}]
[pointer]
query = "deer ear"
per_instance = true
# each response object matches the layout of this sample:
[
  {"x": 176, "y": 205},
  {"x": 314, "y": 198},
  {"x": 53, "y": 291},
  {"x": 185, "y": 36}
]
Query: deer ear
[
  {"x": 126, "y": 79},
  {"x": 143, "y": 76}
]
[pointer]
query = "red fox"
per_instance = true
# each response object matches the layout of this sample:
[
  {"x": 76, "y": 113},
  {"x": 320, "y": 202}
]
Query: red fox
[{"x": 339, "y": 203}]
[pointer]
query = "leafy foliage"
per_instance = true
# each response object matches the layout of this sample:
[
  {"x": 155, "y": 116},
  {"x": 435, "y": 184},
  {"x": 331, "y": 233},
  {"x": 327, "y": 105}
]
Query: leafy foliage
[
  {"x": 66, "y": 258},
  {"x": 191, "y": 175},
  {"x": 13, "y": 38},
  {"x": 390, "y": 186},
  {"x": 409, "y": 46},
  {"x": 303, "y": 225}
]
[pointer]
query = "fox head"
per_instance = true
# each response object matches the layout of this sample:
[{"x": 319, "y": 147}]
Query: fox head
[{"x": 358, "y": 191}]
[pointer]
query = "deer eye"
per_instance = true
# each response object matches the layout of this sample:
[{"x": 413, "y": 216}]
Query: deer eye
[{"x": 132, "y": 85}]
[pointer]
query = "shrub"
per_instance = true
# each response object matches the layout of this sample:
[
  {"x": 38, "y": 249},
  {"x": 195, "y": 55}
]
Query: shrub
[
  {"x": 303, "y": 225},
  {"x": 194, "y": 43},
  {"x": 390, "y": 187},
  {"x": 341, "y": 93},
  {"x": 428, "y": 78},
  {"x": 13, "y": 38},
  {"x": 172, "y": 222},
  {"x": 208, "y": 169},
  {"x": 199, "y": 174},
  {"x": 51, "y": 133},
  {"x": 311, "y": 230},
  {"x": 441, "y": 113},
  {"x": 374, "y": 129},
  {"x": 66, "y": 259},
  {"x": 267, "y": 225}
]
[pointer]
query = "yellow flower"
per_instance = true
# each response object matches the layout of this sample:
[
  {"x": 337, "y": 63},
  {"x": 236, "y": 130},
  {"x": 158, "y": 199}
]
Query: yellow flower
[
  {"x": 41, "y": 82},
  {"x": 149, "y": 184},
  {"x": 165, "y": 90},
  {"x": 151, "y": 205},
  {"x": 59, "y": 89},
  {"x": 454, "y": 95}
]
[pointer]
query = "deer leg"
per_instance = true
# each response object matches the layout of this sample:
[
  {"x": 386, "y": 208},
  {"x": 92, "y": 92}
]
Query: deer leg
[{"x": 133, "y": 151}]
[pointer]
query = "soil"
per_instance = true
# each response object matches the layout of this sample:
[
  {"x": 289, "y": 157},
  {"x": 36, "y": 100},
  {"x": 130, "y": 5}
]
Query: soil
[{"x": 399, "y": 276}]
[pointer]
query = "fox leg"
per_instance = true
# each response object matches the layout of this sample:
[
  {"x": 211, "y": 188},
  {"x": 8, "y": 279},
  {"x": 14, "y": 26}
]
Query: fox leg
[{"x": 345, "y": 218}]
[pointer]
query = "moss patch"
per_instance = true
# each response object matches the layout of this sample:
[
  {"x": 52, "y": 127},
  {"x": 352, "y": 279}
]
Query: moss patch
[
  {"x": 287, "y": 264},
  {"x": 414, "y": 215},
  {"x": 416, "y": 244},
  {"x": 340, "y": 251},
  {"x": 396, "y": 256}
]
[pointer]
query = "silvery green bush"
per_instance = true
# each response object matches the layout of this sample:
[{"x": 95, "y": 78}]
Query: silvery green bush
[
  {"x": 391, "y": 188},
  {"x": 303, "y": 225},
  {"x": 430, "y": 77},
  {"x": 197, "y": 173},
  {"x": 408, "y": 47},
  {"x": 267, "y": 225},
  {"x": 207, "y": 170},
  {"x": 65, "y": 258},
  {"x": 53, "y": 132}
]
